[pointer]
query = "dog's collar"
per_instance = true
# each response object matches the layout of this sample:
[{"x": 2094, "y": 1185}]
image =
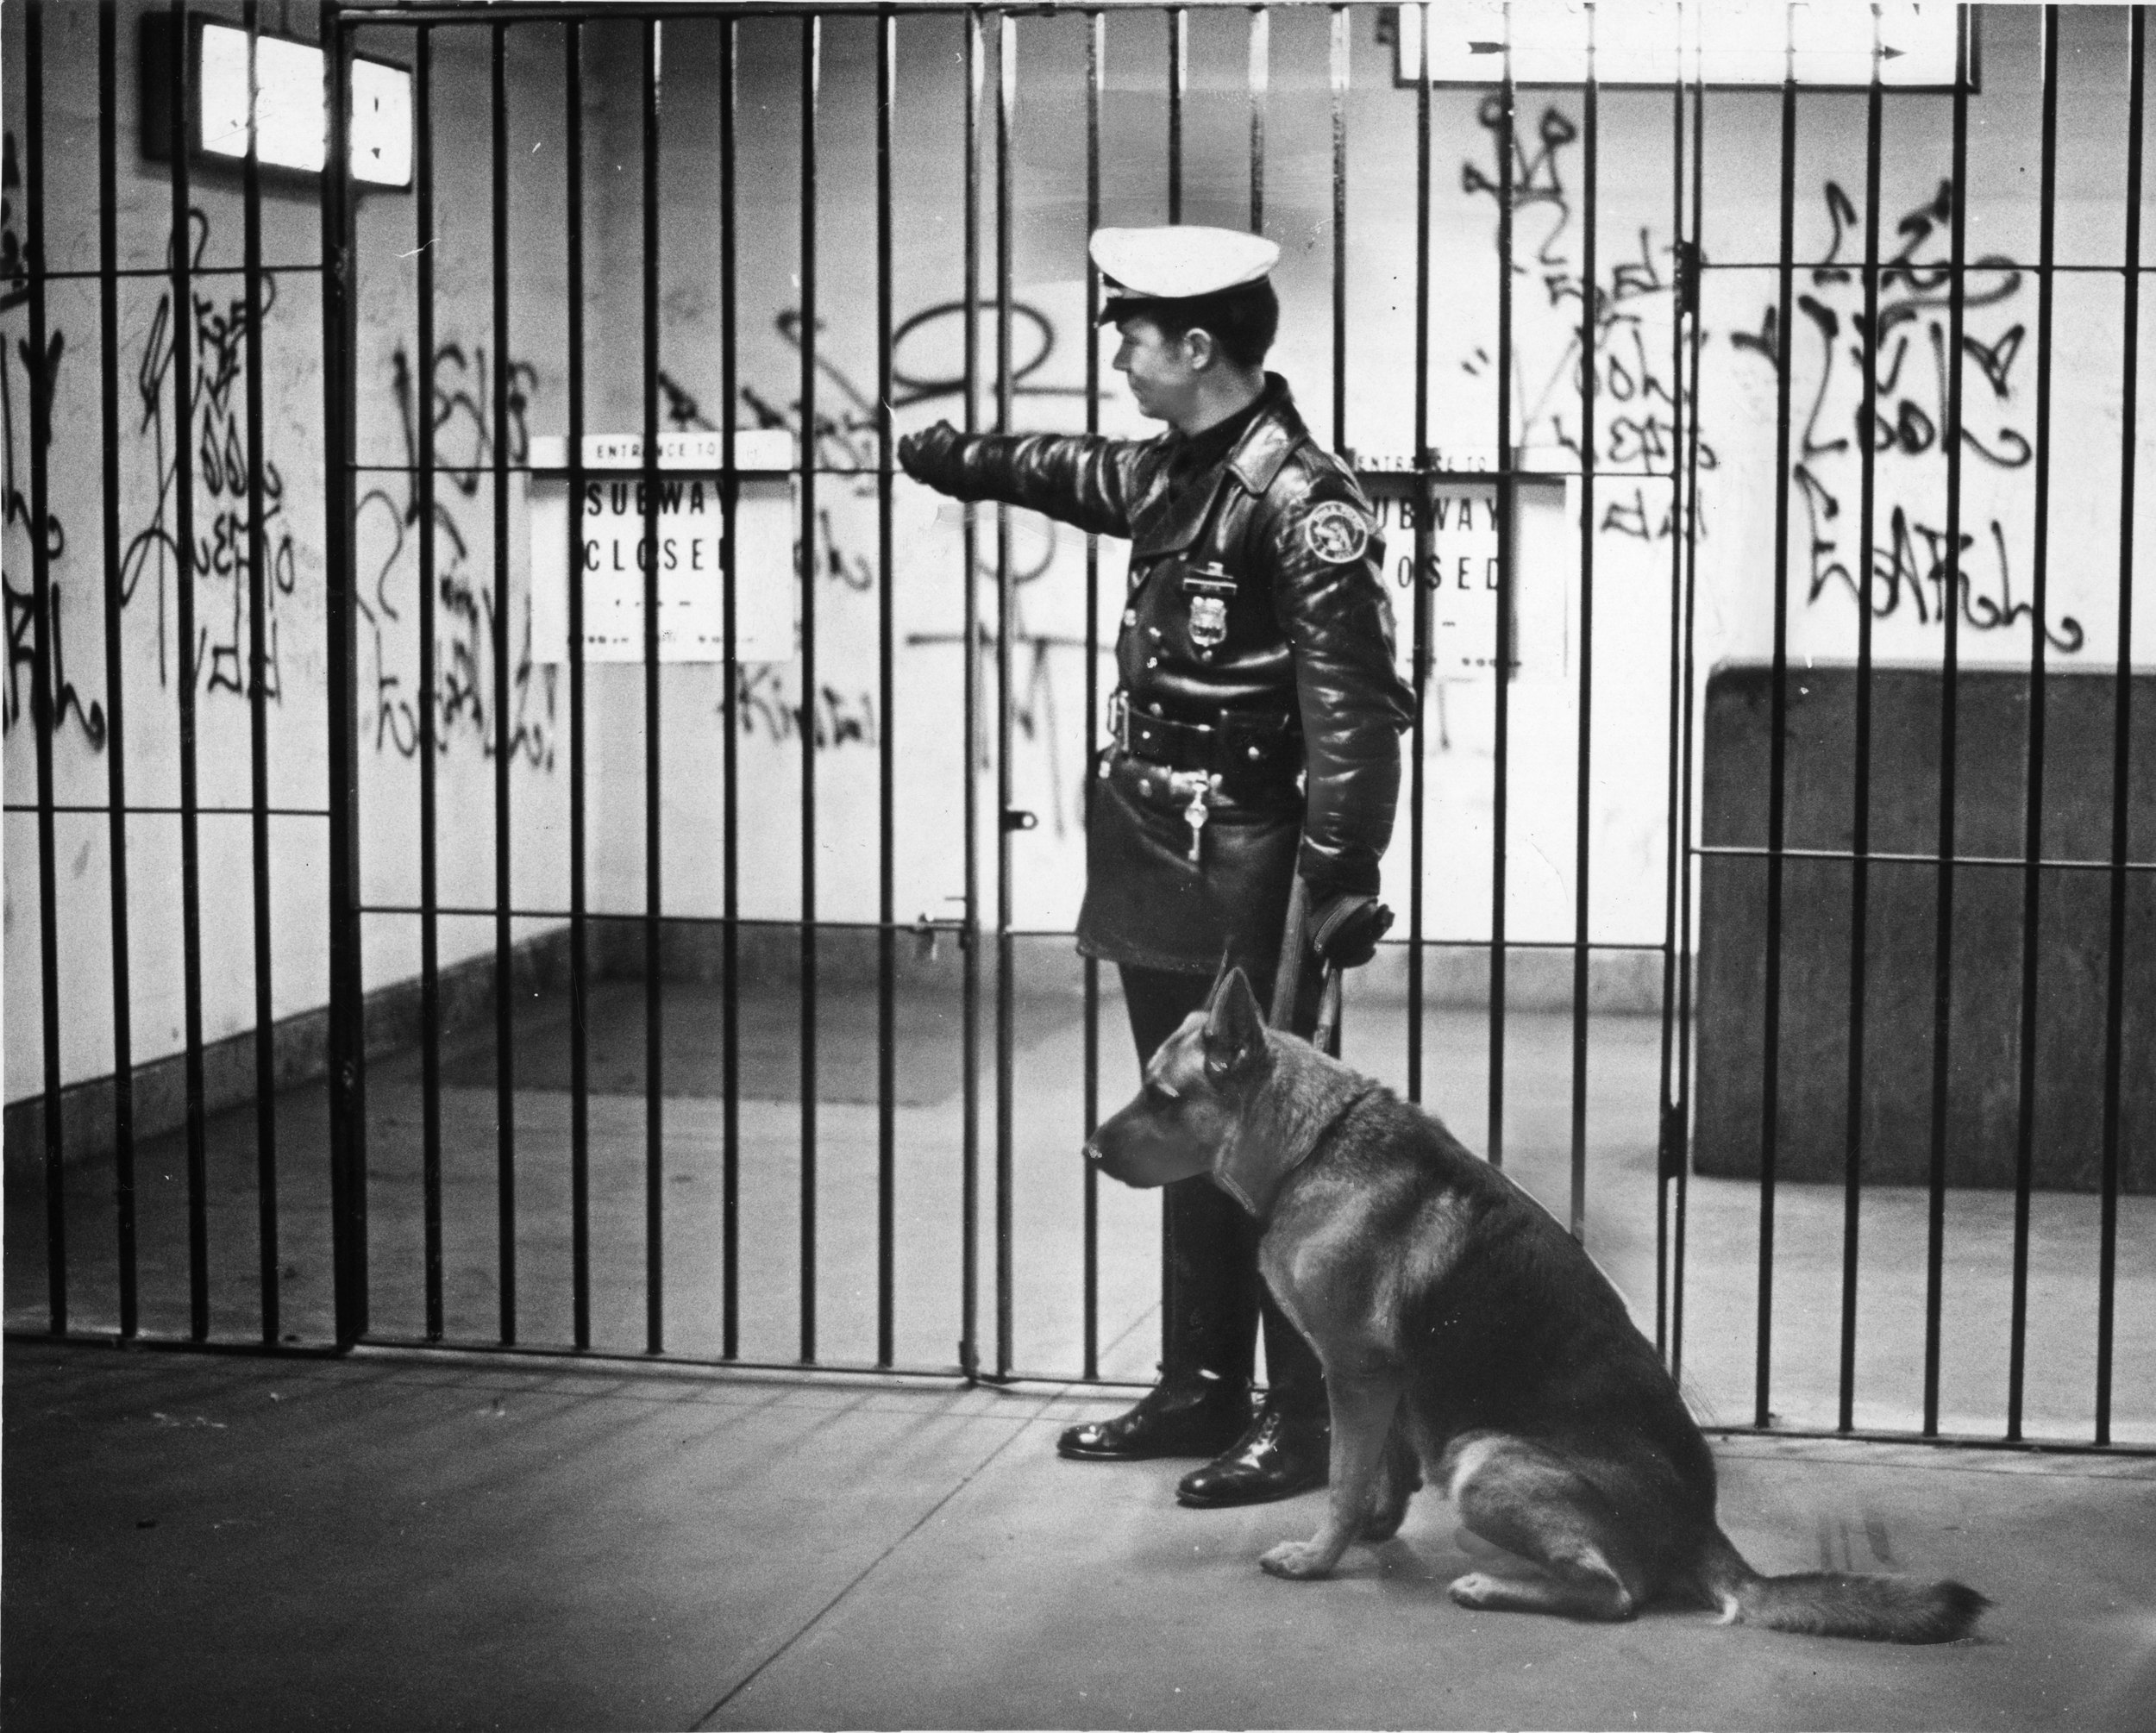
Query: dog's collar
[{"x": 1324, "y": 1133}]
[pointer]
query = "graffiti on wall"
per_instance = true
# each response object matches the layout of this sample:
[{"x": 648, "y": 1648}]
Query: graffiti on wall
[
  {"x": 457, "y": 395},
  {"x": 1629, "y": 309},
  {"x": 212, "y": 436},
  {"x": 1907, "y": 361},
  {"x": 1636, "y": 384},
  {"x": 39, "y": 370},
  {"x": 1912, "y": 572},
  {"x": 1033, "y": 707},
  {"x": 846, "y": 437},
  {"x": 207, "y": 437}
]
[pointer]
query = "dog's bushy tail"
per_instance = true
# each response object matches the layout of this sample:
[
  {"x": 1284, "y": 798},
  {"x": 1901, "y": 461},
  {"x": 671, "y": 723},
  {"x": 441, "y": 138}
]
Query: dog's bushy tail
[{"x": 1880, "y": 1609}]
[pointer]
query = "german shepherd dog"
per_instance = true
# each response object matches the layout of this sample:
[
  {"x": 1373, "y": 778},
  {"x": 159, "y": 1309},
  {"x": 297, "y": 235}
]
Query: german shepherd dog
[{"x": 1464, "y": 1330}]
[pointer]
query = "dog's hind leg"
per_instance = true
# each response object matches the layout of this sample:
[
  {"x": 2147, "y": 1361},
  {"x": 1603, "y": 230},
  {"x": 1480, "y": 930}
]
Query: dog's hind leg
[
  {"x": 1529, "y": 1501},
  {"x": 1362, "y": 1411}
]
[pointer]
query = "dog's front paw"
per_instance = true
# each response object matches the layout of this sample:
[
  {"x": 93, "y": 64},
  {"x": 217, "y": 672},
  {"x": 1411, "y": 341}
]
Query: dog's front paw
[
  {"x": 1477, "y": 1588},
  {"x": 1295, "y": 1558}
]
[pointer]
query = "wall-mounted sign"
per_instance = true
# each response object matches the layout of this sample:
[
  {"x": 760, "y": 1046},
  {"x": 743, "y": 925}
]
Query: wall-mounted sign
[
  {"x": 1462, "y": 571},
  {"x": 624, "y": 528}
]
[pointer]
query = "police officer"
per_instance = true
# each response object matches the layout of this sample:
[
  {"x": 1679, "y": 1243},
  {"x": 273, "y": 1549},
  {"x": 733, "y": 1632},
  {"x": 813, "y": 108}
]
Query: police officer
[{"x": 1254, "y": 737}]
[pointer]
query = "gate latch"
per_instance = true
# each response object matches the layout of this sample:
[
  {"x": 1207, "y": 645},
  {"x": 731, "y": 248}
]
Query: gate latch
[
  {"x": 1675, "y": 1157},
  {"x": 1687, "y": 271},
  {"x": 1018, "y": 818}
]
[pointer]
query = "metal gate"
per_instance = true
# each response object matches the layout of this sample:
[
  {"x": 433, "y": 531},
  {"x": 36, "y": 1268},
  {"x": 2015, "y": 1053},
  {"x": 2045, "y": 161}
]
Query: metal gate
[{"x": 710, "y": 71}]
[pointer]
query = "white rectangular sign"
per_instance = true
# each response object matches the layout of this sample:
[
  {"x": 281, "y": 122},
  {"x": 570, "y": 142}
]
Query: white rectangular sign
[
  {"x": 1466, "y": 532},
  {"x": 1462, "y": 580},
  {"x": 614, "y": 551}
]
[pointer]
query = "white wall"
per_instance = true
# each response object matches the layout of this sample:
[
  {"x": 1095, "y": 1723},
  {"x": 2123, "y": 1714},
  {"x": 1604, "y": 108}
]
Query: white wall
[{"x": 1631, "y": 505}]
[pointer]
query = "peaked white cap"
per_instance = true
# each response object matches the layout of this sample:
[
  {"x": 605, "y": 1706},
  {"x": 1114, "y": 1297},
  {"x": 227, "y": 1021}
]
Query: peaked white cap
[{"x": 1177, "y": 261}]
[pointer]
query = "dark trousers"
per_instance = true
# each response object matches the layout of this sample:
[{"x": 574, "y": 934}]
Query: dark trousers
[{"x": 1213, "y": 1297}]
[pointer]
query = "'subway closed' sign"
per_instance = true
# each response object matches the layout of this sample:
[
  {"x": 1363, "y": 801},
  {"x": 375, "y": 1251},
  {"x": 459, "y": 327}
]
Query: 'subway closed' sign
[{"x": 620, "y": 537}]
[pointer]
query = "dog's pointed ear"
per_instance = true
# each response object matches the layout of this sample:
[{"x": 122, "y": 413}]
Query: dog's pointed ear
[
  {"x": 1235, "y": 1026},
  {"x": 1219, "y": 978}
]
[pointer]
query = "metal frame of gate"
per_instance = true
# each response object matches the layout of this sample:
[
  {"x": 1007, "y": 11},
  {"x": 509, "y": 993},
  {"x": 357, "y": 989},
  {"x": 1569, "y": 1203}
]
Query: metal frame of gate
[{"x": 991, "y": 82}]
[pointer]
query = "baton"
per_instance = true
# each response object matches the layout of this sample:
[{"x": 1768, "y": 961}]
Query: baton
[{"x": 1288, "y": 976}]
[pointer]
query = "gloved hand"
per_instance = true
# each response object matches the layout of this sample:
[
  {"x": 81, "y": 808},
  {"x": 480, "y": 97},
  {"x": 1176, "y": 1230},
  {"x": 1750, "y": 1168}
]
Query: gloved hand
[
  {"x": 931, "y": 456},
  {"x": 1344, "y": 928}
]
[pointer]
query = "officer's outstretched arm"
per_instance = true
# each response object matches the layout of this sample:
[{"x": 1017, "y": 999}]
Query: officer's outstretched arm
[
  {"x": 1081, "y": 479},
  {"x": 1327, "y": 583}
]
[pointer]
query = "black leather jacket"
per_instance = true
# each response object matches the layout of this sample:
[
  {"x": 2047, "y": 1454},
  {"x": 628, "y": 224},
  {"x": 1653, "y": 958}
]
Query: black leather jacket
[{"x": 1257, "y": 644}]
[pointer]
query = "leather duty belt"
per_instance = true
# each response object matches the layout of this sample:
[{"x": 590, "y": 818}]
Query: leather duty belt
[{"x": 1227, "y": 748}]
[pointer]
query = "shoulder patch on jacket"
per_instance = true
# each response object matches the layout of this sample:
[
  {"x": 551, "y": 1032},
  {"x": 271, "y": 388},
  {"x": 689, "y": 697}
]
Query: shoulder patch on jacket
[{"x": 1337, "y": 533}]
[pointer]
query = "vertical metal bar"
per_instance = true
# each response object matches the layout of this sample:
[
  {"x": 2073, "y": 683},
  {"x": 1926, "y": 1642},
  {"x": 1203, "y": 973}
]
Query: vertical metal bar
[
  {"x": 115, "y": 682},
  {"x": 257, "y": 711},
  {"x": 504, "y": 956},
  {"x": 429, "y": 681},
  {"x": 1178, "y": 85},
  {"x": 1681, "y": 1108},
  {"x": 1582, "y": 826},
  {"x": 730, "y": 846},
  {"x": 654, "y": 1083},
  {"x": 1007, "y": 1033},
  {"x": 1340, "y": 69},
  {"x": 2114, "y": 977},
  {"x": 1507, "y": 505},
  {"x": 347, "y": 1057},
  {"x": 2033, "y": 833},
  {"x": 1777, "y": 743},
  {"x": 1949, "y": 704},
  {"x": 42, "y": 717},
  {"x": 579, "y": 924},
  {"x": 969, "y": 938},
  {"x": 886, "y": 763},
  {"x": 1096, "y": 53},
  {"x": 1673, "y": 865},
  {"x": 1860, "y": 815},
  {"x": 1420, "y": 623},
  {"x": 1178, "y": 69},
  {"x": 1259, "y": 81},
  {"x": 184, "y": 548},
  {"x": 812, "y": 49}
]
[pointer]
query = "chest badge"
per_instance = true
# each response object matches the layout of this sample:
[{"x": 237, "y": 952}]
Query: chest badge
[{"x": 1208, "y": 588}]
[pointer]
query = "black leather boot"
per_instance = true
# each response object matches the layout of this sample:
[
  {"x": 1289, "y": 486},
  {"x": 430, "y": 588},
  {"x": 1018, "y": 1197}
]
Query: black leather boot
[
  {"x": 1288, "y": 1447},
  {"x": 1181, "y": 1417},
  {"x": 1279, "y": 1456},
  {"x": 1202, "y": 1403}
]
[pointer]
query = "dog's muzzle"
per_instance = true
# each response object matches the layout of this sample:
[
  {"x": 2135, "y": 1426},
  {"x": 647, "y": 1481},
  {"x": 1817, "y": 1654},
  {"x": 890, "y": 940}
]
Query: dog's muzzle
[{"x": 1092, "y": 1153}]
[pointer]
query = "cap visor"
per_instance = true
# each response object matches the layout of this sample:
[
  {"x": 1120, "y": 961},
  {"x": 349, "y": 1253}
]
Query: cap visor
[{"x": 1129, "y": 306}]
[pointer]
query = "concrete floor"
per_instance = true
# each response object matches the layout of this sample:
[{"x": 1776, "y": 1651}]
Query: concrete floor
[
  {"x": 1720, "y": 1295},
  {"x": 390, "y": 1542},
  {"x": 198, "y": 1542}
]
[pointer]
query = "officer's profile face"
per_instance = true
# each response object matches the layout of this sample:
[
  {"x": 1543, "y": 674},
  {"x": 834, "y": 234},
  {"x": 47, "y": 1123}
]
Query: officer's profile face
[{"x": 1163, "y": 371}]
